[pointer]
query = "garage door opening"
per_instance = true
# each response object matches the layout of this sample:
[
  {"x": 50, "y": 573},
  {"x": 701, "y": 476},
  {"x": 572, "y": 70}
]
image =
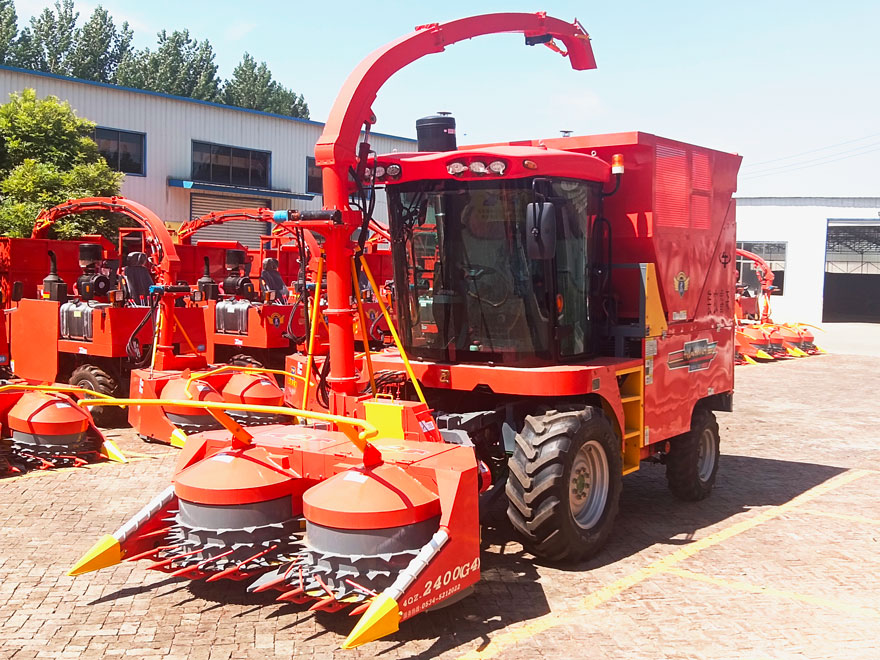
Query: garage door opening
[
  {"x": 246, "y": 232},
  {"x": 852, "y": 272}
]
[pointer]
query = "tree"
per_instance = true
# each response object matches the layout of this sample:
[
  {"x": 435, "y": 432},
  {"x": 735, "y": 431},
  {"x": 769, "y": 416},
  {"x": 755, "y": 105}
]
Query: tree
[
  {"x": 100, "y": 47},
  {"x": 252, "y": 87},
  {"x": 287, "y": 102},
  {"x": 49, "y": 42},
  {"x": 8, "y": 31},
  {"x": 180, "y": 65},
  {"x": 48, "y": 157}
]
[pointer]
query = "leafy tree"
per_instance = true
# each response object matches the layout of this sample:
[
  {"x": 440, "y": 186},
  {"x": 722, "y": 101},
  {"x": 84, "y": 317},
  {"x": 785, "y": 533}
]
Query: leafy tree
[
  {"x": 47, "y": 157},
  {"x": 252, "y": 87},
  {"x": 8, "y": 31},
  {"x": 48, "y": 43},
  {"x": 287, "y": 102},
  {"x": 180, "y": 65},
  {"x": 100, "y": 47}
]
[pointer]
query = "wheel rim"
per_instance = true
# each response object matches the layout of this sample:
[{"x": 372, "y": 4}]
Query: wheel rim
[
  {"x": 588, "y": 487},
  {"x": 706, "y": 458}
]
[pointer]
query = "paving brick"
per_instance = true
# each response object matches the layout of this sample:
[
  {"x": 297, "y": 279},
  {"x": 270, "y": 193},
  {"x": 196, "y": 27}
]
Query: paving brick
[{"x": 798, "y": 424}]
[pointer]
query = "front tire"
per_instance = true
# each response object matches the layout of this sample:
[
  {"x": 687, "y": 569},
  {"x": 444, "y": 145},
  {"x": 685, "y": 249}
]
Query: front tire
[
  {"x": 564, "y": 486},
  {"x": 692, "y": 461},
  {"x": 92, "y": 377}
]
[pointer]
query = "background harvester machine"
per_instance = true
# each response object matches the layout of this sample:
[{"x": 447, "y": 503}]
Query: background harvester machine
[
  {"x": 757, "y": 336},
  {"x": 126, "y": 314},
  {"x": 251, "y": 315},
  {"x": 562, "y": 333}
]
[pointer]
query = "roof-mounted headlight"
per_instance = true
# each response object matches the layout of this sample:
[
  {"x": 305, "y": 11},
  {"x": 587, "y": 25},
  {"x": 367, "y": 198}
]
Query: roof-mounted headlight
[
  {"x": 478, "y": 167},
  {"x": 456, "y": 168},
  {"x": 498, "y": 167}
]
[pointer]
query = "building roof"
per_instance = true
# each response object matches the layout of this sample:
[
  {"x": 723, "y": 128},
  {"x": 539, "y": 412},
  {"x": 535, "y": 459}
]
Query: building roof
[
  {"x": 839, "y": 202},
  {"x": 184, "y": 99}
]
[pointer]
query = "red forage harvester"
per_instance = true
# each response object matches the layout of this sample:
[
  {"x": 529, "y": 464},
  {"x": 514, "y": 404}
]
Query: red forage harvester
[{"x": 363, "y": 506}]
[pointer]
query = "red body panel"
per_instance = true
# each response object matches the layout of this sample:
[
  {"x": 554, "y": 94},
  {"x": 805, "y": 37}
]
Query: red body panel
[{"x": 36, "y": 341}]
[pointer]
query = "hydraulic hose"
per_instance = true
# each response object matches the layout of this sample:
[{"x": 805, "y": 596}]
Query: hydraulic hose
[{"x": 133, "y": 348}]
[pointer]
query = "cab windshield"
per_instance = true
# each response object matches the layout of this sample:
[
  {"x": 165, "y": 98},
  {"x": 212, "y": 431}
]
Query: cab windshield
[{"x": 466, "y": 288}]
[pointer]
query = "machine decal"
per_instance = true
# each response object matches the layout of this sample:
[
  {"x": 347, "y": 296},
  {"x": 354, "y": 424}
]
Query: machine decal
[
  {"x": 682, "y": 282},
  {"x": 276, "y": 319},
  {"x": 696, "y": 355}
]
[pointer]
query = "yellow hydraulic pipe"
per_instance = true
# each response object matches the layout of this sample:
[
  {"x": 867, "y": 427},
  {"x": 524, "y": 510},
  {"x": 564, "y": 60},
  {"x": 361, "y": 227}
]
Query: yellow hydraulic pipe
[
  {"x": 73, "y": 389},
  {"x": 312, "y": 329},
  {"x": 237, "y": 369},
  {"x": 185, "y": 336},
  {"x": 156, "y": 333},
  {"x": 391, "y": 327},
  {"x": 362, "y": 321},
  {"x": 348, "y": 425}
]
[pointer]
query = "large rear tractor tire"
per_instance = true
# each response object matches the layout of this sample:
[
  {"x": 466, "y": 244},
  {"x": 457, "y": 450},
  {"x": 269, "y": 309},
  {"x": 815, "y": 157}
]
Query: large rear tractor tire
[
  {"x": 692, "y": 461},
  {"x": 92, "y": 377},
  {"x": 564, "y": 486}
]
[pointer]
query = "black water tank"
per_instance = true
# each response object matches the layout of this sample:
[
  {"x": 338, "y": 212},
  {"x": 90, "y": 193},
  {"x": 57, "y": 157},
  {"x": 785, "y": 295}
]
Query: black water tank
[
  {"x": 436, "y": 133},
  {"x": 235, "y": 258},
  {"x": 90, "y": 253}
]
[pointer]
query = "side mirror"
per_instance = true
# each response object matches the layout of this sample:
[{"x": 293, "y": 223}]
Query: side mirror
[
  {"x": 17, "y": 290},
  {"x": 541, "y": 230}
]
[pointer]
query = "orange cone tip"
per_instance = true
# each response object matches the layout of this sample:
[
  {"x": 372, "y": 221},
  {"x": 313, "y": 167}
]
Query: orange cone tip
[
  {"x": 106, "y": 552},
  {"x": 381, "y": 618}
]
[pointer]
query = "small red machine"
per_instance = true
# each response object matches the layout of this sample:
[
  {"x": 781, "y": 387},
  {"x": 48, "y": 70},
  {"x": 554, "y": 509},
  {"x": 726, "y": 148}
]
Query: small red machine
[
  {"x": 566, "y": 323},
  {"x": 116, "y": 319}
]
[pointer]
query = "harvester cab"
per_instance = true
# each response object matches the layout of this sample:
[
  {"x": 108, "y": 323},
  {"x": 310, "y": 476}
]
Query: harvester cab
[{"x": 560, "y": 335}]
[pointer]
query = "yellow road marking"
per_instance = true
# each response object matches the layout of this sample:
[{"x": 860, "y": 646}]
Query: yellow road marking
[
  {"x": 738, "y": 585},
  {"x": 606, "y": 593},
  {"x": 842, "y": 516}
]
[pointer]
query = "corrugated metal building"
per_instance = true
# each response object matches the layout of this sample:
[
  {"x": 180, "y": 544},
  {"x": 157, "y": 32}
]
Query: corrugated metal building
[
  {"x": 824, "y": 253},
  {"x": 184, "y": 158}
]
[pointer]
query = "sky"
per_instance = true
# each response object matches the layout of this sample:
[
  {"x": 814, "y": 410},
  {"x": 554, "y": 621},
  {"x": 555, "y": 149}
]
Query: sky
[{"x": 791, "y": 86}]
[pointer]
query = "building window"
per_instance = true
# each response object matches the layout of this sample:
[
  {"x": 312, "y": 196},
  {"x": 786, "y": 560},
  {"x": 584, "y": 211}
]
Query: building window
[
  {"x": 773, "y": 254},
  {"x": 314, "y": 180},
  {"x": 218, "y": 163},
  {"x": 123, "y": 150}
]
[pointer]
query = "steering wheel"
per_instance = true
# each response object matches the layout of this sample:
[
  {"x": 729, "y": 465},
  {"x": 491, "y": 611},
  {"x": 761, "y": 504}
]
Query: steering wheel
[{"x": 475, "y": 272}]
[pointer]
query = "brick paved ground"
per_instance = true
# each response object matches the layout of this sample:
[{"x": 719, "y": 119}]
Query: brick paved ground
[{"x": 783, "y": 561}]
